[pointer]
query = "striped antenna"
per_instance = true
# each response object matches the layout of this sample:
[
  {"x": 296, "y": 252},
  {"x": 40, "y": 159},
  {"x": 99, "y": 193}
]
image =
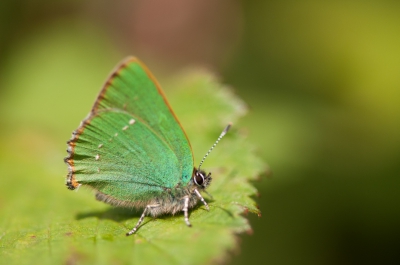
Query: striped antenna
[{"x": 216, "y": 142}]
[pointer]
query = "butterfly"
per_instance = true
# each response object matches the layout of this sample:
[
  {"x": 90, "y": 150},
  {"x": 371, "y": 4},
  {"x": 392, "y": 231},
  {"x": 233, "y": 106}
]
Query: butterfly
[{"x": 132, "y": 150}]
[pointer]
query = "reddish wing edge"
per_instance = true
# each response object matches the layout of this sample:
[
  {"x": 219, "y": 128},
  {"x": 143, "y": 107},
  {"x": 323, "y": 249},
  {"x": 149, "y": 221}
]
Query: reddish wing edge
[{"x": 69, "y": 160}]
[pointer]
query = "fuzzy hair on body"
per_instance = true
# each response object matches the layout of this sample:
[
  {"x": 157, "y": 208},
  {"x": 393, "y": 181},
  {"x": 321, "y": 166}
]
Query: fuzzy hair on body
[{"x": 169, "y": 202}]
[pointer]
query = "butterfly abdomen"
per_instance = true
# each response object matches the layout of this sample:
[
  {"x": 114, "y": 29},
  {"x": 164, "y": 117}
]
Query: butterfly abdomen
[{"x": 171, "y": 201}]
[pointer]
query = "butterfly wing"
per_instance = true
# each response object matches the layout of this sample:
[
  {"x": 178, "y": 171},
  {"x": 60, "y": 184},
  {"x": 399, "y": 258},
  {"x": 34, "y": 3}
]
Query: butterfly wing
[{"x": 131, "y": 147}]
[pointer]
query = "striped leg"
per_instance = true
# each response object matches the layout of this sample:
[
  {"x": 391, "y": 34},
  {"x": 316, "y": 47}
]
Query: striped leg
[
  {"x": 186, "y": 209},
  {"x": 201, "y": 199},
  {"x": 148, "y": 207}
]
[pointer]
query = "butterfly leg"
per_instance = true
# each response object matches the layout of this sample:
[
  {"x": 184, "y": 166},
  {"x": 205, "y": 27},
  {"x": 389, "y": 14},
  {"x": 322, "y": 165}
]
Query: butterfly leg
[
  {"x": 201, "y": 199},
  {"x": 148, "y": 207},
  {"x": 186, "y": 210}
]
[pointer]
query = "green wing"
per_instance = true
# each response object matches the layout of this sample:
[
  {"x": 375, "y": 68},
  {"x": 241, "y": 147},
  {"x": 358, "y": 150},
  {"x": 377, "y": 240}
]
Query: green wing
[{"x": 131, "y": 147}]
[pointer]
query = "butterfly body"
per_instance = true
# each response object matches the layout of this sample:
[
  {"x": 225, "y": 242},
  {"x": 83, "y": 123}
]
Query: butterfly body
[
  {"x": 169, "y": 201},
  {"x": 132, "y": 150}
]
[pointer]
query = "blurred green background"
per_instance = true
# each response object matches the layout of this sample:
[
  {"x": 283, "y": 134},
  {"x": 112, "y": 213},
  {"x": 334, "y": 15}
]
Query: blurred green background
[{"x": 321, "y": 79}]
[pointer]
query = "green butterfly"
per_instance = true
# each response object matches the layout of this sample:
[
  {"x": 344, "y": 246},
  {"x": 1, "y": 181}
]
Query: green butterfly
[{"x": 132, "y": 150}]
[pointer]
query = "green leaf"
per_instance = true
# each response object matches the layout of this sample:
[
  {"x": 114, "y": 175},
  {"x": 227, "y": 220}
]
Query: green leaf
[{"x": 41, "y": 221}]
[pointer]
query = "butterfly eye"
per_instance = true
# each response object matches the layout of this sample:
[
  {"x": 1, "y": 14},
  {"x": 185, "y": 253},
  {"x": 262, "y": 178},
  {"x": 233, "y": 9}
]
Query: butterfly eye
[{"x": 198, "y": 178}]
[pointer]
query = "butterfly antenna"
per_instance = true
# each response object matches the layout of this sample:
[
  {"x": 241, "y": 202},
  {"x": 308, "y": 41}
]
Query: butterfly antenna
[{"x": 216, "y": 142}]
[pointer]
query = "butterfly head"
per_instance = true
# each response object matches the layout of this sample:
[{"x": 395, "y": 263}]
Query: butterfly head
[{"x": 201, "y": 179}]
